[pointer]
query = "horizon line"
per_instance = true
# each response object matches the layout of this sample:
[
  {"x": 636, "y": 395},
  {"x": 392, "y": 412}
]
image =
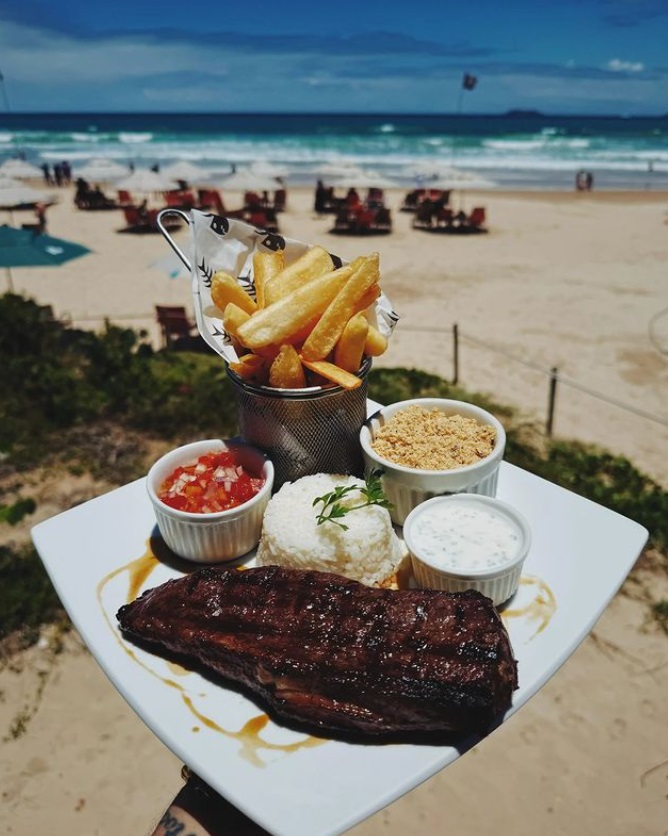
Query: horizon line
[{"x": 520, "y": 112}]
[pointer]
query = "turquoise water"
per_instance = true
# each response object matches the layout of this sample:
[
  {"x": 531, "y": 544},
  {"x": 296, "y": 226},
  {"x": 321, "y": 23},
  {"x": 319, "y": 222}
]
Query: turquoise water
[{"x": 525, "y": 151}]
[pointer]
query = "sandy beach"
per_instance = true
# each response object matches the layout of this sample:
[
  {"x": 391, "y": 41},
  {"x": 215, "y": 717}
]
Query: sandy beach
[{"x": 572, "y": 281}]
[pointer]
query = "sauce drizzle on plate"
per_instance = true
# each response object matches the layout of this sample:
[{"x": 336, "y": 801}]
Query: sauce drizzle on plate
[{"x": 249, "y": 735}]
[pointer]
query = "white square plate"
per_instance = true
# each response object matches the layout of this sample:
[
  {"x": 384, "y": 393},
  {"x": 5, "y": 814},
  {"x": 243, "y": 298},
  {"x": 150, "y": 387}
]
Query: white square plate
[{"x": 99, "y": 556}]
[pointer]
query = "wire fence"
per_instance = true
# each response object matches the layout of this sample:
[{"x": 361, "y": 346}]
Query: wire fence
[
  {"x": 554, "y": 378},
  {"x": 552, "y": 374}
]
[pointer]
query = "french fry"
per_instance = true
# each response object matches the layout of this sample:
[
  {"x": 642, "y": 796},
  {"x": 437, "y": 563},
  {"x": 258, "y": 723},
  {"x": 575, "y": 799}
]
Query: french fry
[
  {"x": 376, "y": 343},
  {"x": 368, "y": 299},
  {"x": 279, "y": 322},
  {"x": 286, "y": 371},
  {"x": 350, "y": 347},
  {"x": 226, "y": 289},
  {"x": 233, "y": 317},
  {"x": 331, "y": 372},
  {"x": 252, "y": 367},
  {"x": 314, "y": 262},
  {"x": 269, "y": 352},
  {"x": 265, "y": 267},
  {"x": 329, "y": 328}
]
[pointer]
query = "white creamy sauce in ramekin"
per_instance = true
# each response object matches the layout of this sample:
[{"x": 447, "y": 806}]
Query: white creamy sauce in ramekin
[{"x": 462, "y": 536}]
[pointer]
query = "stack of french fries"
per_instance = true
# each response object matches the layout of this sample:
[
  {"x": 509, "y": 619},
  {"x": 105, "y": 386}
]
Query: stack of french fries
[{"x": 307, "y": 325}]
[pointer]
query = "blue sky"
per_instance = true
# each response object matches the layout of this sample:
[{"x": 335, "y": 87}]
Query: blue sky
[{"x": 571, "y": 56}]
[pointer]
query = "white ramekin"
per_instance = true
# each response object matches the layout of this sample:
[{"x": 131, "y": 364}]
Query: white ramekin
[
  {"x": 499, "y": 583},
  {"x": 224, "y": 535},
  {"x": 407, "y": 487}
]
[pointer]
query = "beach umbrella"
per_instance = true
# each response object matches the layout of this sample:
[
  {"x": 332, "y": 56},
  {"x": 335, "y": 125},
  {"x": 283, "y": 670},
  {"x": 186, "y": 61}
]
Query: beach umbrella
[
  {"x": 458, "y": 183},
  {"x": 364, "y": 180},
  {"x": 338, "y": 169},
  {"x": 147, "y": 181},
  {"x": 433, "y": 174},
  {"x": 268, "y": 169},
  {"x": 25, "y": 248},
  {"x": 245, "y": 180},
  {"x": 185, "y": 170},
  {"x": 20, "y": 169},
  {"x": 101, "y": 170},
  {"x": 14, "y": 195},
  {"x": 430, "y": 169}
]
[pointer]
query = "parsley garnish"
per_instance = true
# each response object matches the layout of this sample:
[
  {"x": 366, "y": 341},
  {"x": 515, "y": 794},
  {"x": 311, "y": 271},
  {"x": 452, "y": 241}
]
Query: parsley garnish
[{"x": 332, "y": 509}]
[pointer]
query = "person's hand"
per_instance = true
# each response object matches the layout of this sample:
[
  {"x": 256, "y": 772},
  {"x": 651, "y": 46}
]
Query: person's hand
[{"x": 197, "y": 810}]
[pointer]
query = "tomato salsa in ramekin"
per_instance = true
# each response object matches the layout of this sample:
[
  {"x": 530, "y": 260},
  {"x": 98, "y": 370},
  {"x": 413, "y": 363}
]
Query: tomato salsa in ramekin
[
  {"x": 209, "y": 498},
  {"x": 216, "y": 481}
]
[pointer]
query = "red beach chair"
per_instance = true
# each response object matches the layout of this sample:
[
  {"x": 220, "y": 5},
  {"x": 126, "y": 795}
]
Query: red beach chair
[{"x": 174, "y": 323}]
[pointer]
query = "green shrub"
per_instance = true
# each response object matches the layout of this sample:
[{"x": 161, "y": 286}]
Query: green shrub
[
  {"x": 57, "y": 378},
  {"x": 27, "y": 597},
  {"x": 14, "y": 513}
]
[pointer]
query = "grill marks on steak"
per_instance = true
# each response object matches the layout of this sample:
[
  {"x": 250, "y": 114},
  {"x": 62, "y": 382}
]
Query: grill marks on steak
[{"x": 329, "y": 652}]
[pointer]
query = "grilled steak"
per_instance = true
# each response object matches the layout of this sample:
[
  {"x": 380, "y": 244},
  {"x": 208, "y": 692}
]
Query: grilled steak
[{"x": 334, "y": 654}]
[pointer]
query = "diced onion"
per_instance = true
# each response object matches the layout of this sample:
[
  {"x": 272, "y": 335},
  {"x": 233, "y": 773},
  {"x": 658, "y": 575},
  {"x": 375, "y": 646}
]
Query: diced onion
[{"x": 215, "y": 482}]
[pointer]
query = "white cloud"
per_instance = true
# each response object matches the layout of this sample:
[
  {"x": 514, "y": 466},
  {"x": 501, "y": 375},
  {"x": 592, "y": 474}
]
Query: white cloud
[{"x": 619, "y": 66}]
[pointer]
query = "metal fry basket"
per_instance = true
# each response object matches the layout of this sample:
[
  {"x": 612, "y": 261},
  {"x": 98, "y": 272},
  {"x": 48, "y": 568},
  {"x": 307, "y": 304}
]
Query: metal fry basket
[{"x": 304, "y": 431}]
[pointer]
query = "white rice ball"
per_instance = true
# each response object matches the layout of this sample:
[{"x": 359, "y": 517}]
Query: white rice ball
[{"x": 369, "y": 550}]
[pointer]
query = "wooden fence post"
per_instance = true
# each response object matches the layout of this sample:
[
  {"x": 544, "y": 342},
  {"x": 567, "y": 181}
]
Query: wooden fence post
[
  {"x": 455, "y": 354},
  {"x": 552, "y": 396}
]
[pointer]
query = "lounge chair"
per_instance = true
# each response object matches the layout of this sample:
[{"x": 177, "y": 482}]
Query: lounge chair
[
  {"x": 383, "y": 221},
  {"x": 476, "y": 220},
  {"x": 210, "y": 199},
  {"x": 412, "y": 200},
  {"x": 424, "y": 215},
  {"x": 342, "y": 222},
  {"x": 362, "y": 221},
  {"x": 469, "y": 224},
  {"x": 262, "y": 219},
  {"x": 463, "y": 224},
  {"x": 375, "y": 198},
  {"x": 444, "y": 218},
  {"x": 182, "y": 199},
  {"x": 125, "y": 198},
  {"x": 174, "y": 324},
  {"x": 139, "y": 223},
  {"x": 136, "y": 222}
]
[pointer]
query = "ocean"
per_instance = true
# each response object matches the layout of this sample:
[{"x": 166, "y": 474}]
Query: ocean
[{"x": 518, "y": 150}]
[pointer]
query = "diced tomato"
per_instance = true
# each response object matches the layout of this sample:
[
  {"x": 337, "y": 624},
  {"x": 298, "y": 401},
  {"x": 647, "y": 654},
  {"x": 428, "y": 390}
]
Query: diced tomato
[{"x": 215, "y": 482}]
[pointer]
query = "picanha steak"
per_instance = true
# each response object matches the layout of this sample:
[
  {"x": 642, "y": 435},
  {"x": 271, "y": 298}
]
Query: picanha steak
[{"x": 333, "y": 654}]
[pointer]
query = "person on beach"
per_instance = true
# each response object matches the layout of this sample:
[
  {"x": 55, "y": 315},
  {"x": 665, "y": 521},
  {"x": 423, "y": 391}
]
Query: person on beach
[
  {"x": 142, "y": 210},
  {"x": 321, "y": 195},
  {"x": 48, "y": 179},
  {"x": 40, "y": 211}
]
